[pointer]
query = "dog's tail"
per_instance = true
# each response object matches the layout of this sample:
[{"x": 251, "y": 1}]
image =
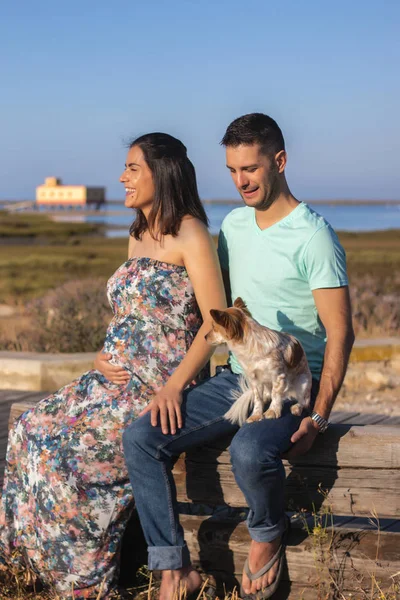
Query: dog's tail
[{"x": 244, "y": 399}]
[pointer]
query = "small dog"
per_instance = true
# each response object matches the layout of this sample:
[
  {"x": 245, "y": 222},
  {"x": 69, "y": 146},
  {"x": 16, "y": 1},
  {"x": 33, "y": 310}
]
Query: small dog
[{"x": 274, "y": 365}]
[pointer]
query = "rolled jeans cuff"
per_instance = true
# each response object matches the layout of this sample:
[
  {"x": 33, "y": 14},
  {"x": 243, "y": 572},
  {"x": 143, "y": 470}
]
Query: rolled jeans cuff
[
  {"x": 168, "y": 557},
  {"x": 267, "y": 534}
]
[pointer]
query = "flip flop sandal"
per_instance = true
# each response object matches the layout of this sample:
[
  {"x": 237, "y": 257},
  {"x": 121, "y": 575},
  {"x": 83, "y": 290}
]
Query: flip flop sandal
[{"x": 268, "y": 591}]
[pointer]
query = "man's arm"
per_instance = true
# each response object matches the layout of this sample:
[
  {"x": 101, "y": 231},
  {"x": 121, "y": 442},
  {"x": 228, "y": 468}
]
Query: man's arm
[
  {"x": 227, "y": 286},
  {"x": 334, "y": 309}
]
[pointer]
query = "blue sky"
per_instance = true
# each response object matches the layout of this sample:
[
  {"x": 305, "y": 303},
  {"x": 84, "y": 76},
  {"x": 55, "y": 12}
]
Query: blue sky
[{"x": 78, "y": 79}]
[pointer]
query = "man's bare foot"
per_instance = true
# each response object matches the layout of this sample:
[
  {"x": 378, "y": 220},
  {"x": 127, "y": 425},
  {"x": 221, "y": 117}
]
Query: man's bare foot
[
  {"x": 179, "y": 583},
  {"x": 260, "y": 554}
]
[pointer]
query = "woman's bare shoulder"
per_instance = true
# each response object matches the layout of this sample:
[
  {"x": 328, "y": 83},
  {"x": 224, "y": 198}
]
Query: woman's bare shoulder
[
  {"x": 131, "y": 245},
  {"x": 194, "y": 238},
  {"x": 192, "y": 226}
]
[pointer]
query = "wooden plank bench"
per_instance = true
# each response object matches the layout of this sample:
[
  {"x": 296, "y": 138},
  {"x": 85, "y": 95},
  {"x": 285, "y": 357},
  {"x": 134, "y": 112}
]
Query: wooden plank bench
[{"x": 344, "y": 501}]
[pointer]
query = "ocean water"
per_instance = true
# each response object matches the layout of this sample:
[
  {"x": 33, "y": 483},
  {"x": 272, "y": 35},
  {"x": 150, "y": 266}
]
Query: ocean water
[{"x": 342, "y": 217}]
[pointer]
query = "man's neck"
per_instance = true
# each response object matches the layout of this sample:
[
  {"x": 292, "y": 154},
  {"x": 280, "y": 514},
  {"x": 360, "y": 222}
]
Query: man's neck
[{"x": 281, "y": 208}]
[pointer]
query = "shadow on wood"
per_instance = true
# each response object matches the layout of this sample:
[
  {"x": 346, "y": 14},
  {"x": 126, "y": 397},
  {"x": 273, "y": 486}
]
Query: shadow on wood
[
  {"x": 204, "y": 477},
  {"x": 308, "y": 485},
  {"x": 133, "y": 552}
]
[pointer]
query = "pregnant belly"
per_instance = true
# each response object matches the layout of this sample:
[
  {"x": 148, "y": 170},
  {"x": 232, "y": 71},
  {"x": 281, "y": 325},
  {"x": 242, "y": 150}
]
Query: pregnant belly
[{"x": 133, "y": 344}]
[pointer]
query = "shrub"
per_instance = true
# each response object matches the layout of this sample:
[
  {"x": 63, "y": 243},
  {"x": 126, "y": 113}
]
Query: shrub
[
  {"x": 74, "y": 316},
  {"x": 71, "y": 318},
  {"x": 375, "y": 312}
]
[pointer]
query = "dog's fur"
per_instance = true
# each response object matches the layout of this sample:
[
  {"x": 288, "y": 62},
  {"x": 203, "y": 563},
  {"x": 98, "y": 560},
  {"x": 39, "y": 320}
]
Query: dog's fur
[{"x": 274, "y": 365}]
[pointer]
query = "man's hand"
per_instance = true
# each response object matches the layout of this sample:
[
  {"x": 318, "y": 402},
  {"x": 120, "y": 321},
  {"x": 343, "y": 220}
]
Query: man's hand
[
  {"x": 113, "y": 373},
  {"x": 303, "y": 438},
  {"x": 166, "y": 403}
]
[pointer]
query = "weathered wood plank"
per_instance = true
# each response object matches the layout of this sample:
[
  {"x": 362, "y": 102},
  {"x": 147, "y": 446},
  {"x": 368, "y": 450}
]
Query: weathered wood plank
[
  {"x": 13, "y": 395},
  {"x": 9, "y": 410},
  {"x": 340, "y": 415},
  {"x": 373, "y": 446},
  {"x": 393, "y": 421},
  {"x": 19, "y": 396},
  {"x": 388, "y": 420},
  {"x": 348, "y": 556},
  {"x": 345, "y": 491},
  {"x": 17, "y": 409},
  {"x": 365, "y": 419},
  {"x": 368, "y": 476},
  {"x": 206, "y": 476}
]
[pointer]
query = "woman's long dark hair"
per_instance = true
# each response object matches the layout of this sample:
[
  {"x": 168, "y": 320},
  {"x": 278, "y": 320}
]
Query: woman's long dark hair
[{"x": 175, "y": 185}]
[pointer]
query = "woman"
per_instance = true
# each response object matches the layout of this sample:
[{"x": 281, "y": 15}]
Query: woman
[{"x": 67, "y": 497}]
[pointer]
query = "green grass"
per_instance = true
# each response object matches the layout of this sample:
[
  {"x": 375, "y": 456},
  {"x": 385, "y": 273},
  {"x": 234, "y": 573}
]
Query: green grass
[
  {"x": 29, "y": 270},
  {"x": 35, "y": 227},
  {"x": 374, "y": 253}
]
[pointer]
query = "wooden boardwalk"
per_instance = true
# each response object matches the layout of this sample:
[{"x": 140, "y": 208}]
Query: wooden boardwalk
[{"x": 8, "y": 397}]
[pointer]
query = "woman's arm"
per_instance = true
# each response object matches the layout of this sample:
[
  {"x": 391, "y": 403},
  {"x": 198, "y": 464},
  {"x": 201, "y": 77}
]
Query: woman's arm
[
  {"x": 200, "y": 259},
  {"x": 201, "y": 262}
]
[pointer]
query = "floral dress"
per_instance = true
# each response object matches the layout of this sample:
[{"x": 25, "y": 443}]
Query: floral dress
[{"x": 67, "y": 498}]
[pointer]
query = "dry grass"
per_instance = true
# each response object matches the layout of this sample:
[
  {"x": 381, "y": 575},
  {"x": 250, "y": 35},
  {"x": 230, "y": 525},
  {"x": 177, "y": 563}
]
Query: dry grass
[
  {"x": 20, "y": 584},
  {"x": 329, "y": 583}
]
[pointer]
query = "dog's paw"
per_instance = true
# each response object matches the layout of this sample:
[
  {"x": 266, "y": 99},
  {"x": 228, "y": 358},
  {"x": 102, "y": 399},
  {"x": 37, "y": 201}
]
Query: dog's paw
[
  {"x": 296, "y": 409},
  {"x": 270, "y": 414},
  {"x": 254, "y": 418}
]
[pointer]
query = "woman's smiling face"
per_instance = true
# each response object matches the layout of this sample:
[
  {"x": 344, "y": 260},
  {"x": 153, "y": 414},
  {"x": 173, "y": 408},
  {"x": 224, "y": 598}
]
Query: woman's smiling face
[{"x": 138, "y": 181}]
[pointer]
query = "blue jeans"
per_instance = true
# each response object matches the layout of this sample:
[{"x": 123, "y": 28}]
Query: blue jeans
[{"x": 256, "y": 461}]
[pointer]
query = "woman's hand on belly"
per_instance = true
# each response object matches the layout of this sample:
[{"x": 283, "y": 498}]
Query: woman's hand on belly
[
  {"x": 112, "y": 372},
  {"x": 166, "y": 405}
]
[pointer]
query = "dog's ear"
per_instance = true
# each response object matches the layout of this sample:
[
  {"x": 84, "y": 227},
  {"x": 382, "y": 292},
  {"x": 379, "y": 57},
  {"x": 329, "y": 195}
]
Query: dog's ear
[
  {"x": 220, "y": 317},
  {"x": 230, "y": 322},
  {"x": 239, "y": 303},
  {"x": 293, "y": 353}
]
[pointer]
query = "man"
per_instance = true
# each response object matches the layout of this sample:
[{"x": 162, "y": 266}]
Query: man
[{"x": 287, "y": 264}]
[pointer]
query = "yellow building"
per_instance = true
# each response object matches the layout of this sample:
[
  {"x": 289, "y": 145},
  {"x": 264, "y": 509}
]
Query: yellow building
[{"x": 53, "y": 192}]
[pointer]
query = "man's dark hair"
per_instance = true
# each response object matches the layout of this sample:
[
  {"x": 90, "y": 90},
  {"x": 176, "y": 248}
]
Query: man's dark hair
[
  {"x": 255, "y": 128},
  {"x": 175, "y": 185}
]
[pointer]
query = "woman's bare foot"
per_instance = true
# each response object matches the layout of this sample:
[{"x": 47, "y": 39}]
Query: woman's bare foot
[
  {"x": 179, "y": 583},
  {"x": 260, "y": 554}
]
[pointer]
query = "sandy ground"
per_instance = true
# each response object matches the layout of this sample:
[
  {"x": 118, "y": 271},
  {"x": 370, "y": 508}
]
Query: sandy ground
[{"x": 371, "y": 387}]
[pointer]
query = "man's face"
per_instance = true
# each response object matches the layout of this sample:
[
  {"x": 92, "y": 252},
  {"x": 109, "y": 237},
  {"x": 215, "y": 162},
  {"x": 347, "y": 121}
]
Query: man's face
[{"x": 255, "y": 175}]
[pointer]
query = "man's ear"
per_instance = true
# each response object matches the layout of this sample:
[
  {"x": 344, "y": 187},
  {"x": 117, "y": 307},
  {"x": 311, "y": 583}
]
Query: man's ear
[{"x": 280, "y": 161}]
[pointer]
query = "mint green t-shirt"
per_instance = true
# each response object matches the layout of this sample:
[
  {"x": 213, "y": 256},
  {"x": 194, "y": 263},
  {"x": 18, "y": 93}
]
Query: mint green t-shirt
[{"x": 275, "y": 270}]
